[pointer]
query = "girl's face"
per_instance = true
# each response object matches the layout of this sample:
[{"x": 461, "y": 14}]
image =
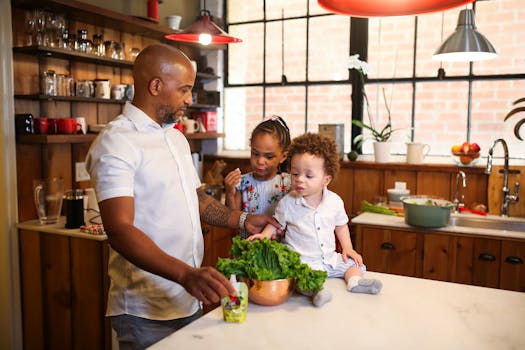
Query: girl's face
[
  {"x": 266, "y": 155},
  {"x": 308, "y": 175}
]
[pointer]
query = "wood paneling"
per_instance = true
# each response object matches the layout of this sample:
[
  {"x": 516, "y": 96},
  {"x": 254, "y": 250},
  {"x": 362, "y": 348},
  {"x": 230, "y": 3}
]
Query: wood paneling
[
  {"x": 494, "y": 191},
  {"x": 433, "y": 183}
]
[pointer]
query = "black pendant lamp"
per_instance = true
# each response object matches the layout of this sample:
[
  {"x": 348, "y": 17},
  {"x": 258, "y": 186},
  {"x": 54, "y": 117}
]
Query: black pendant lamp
[
  {"x": 203, "y": 31},
  {"x": 384, "y": 8},
  {"x": 466, "y": 43}
]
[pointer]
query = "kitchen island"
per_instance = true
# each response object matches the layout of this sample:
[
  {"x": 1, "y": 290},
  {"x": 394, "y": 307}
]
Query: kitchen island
[{"x": 409, "y": 313}]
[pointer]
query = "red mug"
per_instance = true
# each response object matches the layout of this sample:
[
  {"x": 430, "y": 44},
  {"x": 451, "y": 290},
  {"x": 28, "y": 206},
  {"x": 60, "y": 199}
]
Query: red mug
[
  {"x": 68, "y": 126},
  {"x": 178, "y": 126},
  {"x": 41, "y": 125},
  {"x": 52, "y": 127}
]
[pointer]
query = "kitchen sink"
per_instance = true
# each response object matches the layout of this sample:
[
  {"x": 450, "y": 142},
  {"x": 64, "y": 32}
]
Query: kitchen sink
[{"x": 488, "y": 223}]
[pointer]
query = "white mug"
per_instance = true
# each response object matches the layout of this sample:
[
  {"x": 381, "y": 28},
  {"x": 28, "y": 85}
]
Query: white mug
[
  {"x": 102, "y": 89},
  {"x": 189, "y": 126},
  {"x": 174, "y": 22},
  {"x": 416, "y": 152},
  {"x": 82, "y": 122},
  {"x": 118, "y": 91}
]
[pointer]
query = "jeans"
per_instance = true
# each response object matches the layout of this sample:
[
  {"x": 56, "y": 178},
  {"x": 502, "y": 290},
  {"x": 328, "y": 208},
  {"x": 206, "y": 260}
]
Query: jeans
[{"x": 136, "y": 333}]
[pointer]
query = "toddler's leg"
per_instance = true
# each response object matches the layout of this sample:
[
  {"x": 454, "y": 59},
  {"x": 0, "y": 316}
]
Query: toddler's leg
[{"x": 355, "y": 283}]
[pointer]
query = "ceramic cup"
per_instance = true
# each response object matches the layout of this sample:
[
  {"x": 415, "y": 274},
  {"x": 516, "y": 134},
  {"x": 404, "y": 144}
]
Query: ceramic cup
[
  {"x": 174, "y": 21},
  {"x": 118, "y": 91},
  {"x": 416, "y": 152},
  {"x": 41, "y": 125},
  {"x": 82, "y": 122},
  {"x": 102, "y": 89},
  {"x": 68, "y": 126},
  {"x": 52, "y": 127},
  {"x": 190, "y": 126}
]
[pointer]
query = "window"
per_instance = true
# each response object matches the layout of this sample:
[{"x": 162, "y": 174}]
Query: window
[{"x": 309, "y": 47}]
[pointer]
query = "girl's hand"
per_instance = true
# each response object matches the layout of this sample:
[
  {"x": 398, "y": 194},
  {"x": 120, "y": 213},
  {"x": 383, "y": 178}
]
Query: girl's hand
[
  {"x": 231, "y": 181},
  {"x": 358, "y": 259}
]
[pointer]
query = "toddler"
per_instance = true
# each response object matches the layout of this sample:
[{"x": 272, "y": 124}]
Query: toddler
[{"x": 310, "y": 214}]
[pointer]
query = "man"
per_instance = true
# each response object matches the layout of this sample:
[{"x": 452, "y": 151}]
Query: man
[{"x": 151, "y": 203}]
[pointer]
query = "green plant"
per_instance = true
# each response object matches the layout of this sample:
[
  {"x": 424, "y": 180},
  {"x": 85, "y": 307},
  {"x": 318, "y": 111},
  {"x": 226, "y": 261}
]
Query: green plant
[
  {"x": 379, "y": 135},
  {"x": 520, "y": 123}
]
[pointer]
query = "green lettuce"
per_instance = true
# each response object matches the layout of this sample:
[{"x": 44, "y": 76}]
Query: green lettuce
[{"x": 270, "y": 260}]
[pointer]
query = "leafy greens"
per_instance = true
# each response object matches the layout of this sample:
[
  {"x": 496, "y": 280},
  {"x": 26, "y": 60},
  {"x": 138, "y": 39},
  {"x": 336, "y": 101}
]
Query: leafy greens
[{"x": 270, "y": 260}]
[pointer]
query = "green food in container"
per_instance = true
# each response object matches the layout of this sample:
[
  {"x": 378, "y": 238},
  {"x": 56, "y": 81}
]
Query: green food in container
[{"x": 426, "y": 212}]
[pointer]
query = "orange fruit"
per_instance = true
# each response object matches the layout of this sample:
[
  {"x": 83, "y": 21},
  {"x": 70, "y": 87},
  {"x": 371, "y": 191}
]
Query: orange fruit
[{"x": 456, "y": 149}]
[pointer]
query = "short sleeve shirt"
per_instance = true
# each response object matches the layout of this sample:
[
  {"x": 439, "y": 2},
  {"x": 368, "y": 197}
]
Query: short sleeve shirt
[
  {"x": 136, "y": 157},
  {"x": 261, "y": 197},
  {"x": 310, "y": 231}
]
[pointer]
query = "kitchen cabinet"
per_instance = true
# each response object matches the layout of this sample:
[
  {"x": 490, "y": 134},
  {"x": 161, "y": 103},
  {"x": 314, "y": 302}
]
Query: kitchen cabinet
[
  {"x": 388, "y": 250},
  {"x": 64, "y": 291},
  {"x": 444, "y": 256}
]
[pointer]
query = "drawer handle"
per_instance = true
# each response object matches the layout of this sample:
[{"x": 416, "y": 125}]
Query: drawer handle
[
  {"x": 388, "y": 246},
  {"x": 205, "y": 231},
  {"x": 514, "y": 260},
  {"x": 487, "y": 257}
]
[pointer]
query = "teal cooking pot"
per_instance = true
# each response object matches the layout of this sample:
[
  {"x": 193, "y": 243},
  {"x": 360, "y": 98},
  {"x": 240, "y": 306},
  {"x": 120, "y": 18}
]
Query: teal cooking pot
[{"x": 424, "y": 211}]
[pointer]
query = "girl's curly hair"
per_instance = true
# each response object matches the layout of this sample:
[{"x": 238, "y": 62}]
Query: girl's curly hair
[{"x": 319, "y": 146}]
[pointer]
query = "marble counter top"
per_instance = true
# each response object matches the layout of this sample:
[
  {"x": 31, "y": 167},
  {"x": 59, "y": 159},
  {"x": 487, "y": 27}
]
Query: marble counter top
[
  {"x": 409, "y": 313},
  {"x": 59, "y": 229},
  {"x": 396, "y": 221}
]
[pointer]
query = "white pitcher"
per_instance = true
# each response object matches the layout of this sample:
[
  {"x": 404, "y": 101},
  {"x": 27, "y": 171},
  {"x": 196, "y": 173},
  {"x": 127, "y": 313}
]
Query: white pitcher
[{"x": 416, "y": 152}]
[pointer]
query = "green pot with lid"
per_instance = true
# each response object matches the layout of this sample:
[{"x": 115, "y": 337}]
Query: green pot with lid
[{"x": 425, "y": 211}]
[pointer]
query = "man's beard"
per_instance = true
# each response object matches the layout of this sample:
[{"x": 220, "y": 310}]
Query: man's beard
[{"x": 166, "y": 114}]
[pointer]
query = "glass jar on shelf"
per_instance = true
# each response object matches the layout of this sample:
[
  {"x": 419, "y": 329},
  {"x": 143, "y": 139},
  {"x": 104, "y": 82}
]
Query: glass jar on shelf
[
  {"x": 84, "y": 44},
  {"x": 99, "y": 48},
  {"x": 48, "y": 83}
]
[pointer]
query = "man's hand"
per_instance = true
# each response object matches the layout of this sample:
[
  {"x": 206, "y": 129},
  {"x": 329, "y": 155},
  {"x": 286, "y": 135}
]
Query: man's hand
[
  {"x": 207, "y": 284},
  {"x": 256, "y": 223}
]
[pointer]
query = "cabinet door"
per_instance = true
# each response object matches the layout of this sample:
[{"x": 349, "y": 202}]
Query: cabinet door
[
  {"x": 486, "y": 264},
  {"x": 512, "y": 269},
  {"x": 389, "y": 251},
  {"x": 448, "y": 258}
]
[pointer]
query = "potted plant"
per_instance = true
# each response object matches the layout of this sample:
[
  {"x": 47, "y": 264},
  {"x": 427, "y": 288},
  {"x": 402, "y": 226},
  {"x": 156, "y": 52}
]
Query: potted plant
[{"x": 380, "y": 136}]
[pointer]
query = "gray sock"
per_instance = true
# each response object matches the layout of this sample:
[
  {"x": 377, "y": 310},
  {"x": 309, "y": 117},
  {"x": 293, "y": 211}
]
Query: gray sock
[
  {"x": 322, "y": 297},
  {"x": 368, "y": 286}
]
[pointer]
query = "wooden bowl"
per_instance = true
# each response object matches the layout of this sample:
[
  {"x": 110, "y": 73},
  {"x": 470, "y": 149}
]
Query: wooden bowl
[{"x": 269, "y": 293}]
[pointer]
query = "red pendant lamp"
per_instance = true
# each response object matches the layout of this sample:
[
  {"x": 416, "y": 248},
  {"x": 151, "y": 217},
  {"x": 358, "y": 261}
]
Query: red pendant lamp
[
  {"x": 385, "y": 8},
  {"x": 203, "y": 31}
]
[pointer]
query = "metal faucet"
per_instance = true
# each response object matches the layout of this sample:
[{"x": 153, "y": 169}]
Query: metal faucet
[
  {"x": 507, "y": 198},
  {"x": 457, "y": 203}
]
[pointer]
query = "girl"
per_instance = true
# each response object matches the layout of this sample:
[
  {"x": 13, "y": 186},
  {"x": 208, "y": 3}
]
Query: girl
[{"x": 258, "y": 191}]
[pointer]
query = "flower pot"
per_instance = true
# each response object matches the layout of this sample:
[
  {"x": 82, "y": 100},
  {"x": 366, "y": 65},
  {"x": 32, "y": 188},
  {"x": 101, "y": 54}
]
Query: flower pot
[{"x": 382, "y": 152}]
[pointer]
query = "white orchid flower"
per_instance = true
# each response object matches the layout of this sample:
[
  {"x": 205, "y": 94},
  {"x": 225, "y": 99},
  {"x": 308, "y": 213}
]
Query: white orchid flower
[{"x": 355, "y": 63}]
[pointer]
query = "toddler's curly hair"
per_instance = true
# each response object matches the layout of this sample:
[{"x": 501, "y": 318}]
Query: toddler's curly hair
[{"x": 319, "y": 146}]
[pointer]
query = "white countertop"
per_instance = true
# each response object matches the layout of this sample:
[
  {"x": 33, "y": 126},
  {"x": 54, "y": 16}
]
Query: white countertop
[
  {"x": 409, "y": 313},
  {"x": 396, "y": 221},
  {"x": 59, "y": 229}
]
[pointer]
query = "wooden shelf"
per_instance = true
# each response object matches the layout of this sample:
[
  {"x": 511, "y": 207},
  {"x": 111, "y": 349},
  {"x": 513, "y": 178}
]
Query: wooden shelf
[
  {"x": 68, "y": 54},
  {"x": 47, "y": 139},
  {"x": 204, "y": 135},
  {"x": 69, "y": 98},
  {"x": 83, "y": 12},
  {"x": 88, "y": 138}
]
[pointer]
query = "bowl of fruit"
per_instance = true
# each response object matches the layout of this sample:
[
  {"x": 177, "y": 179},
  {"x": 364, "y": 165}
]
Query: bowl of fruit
[{"x": 466, "y": 154}]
